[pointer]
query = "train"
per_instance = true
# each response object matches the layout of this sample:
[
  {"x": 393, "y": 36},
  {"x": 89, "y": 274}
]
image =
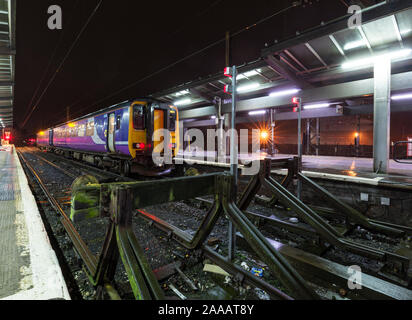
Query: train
[{"x": 118, "y": 138}]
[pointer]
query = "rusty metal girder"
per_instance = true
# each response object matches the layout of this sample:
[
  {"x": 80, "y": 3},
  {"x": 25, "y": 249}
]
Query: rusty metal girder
[
  {"x": 119, "y": 202},
  {"x": 321, "y": 226}
]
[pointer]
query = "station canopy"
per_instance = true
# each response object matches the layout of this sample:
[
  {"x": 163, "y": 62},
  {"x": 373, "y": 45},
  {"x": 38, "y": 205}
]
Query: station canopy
[
  {"x": 7, "y": 60},
  {"x": 312, "y": 65}
]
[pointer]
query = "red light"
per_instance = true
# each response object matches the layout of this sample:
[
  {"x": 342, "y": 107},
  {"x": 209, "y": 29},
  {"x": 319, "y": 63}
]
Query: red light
[
  {"x": 228, "y": 72},
  {"x": 295, "y": 109},
  {"x": 227, "y": 89},
  {"x": 295, "y": 100},
  {"x": 139, "y": 146},
  {"x": 7, "y": 136}
]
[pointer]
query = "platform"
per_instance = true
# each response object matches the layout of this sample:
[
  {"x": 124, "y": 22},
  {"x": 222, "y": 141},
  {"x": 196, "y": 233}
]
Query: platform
[
  {"x": 29, "y": 269},
  {"x": 355, "y": 170}
]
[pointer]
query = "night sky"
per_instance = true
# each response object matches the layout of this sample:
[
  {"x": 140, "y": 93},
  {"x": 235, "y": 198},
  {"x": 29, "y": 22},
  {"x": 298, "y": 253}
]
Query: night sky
[{"x": 127, "y": 40}]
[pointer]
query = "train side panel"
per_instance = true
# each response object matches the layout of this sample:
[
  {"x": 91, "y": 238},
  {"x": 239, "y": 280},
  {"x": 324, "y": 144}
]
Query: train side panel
[{"x": 90, "y": 135}]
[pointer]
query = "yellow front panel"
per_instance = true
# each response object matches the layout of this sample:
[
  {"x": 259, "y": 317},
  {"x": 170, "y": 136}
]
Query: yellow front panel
[
  {"x": 158, "y": 123},
  {"x": 175, "y": 134}
]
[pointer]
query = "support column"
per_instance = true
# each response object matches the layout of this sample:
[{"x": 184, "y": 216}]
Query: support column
[
  {"x": 317, "y": 136},
  {"x": 308, "y": 134},
  {"x": 227, "y": 127},
  {"x": 382, "y": 115},
  {"x": 272, "y": 131}
]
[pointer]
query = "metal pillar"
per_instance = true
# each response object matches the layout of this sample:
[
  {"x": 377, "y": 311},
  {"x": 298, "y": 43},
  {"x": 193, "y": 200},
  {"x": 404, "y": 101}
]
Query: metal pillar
[
  {"x": 272, "y": 127},
  {"x": 317, "y": 136},
  {"x": 226, "y": 121},
  {"x": 308, "y": 136},
  {"x": 233, "y": 164},
  {"x": 382, "y": 114},
  {"x": 220, "y": 127},
  {"x": 299, "y": 191},
  {"x": 357, "y": 137}
]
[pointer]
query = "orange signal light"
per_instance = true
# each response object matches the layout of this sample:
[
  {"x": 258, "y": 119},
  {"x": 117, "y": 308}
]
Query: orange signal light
[{"x": 264, "y": 135}]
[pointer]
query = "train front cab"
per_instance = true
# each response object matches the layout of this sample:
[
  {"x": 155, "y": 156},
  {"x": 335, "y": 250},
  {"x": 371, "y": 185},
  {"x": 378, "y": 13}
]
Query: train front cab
[{"x": 146, "y": 118}]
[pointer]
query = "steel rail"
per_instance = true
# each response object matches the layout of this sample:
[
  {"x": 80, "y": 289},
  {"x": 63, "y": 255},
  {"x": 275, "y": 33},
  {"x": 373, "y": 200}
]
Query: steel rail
[
  {"x": 81, "y": 247},
  {"x": 181, "y": 237}
]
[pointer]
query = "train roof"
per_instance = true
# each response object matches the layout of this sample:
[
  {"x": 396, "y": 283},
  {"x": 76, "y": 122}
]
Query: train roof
[{"x": 113, "y": 107}]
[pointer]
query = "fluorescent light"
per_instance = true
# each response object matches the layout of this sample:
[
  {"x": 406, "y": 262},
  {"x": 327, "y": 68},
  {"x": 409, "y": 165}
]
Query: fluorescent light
[
  {"x": 317, "y": 106},
  {"x": 181, "y": 93},
  {"x": 183, "y": 102},
  {"x": 371, "y": 60},
  {"x": 405, "y": 32},
  {"x": 254, "y": 113},
  {"x": 248, "y": 74},
  {"x": 248, "y": 87},
  {"x": 283, "y": 93},
  {"x": 402, "y": 96},
  {"x": 213, "y": 117},
  {"x": 354, "y": 45}
]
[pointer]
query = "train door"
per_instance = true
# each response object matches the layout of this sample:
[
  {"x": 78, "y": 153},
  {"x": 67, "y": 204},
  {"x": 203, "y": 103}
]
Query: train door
[
  {"x": 51, "y": 137},
  {"x": 158, "y": 124},
  {"x": 111, "y": 131}
]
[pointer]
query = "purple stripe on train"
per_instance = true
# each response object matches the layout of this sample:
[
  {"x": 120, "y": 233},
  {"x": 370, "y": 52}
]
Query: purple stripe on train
[{"x": 91, "y": 134}]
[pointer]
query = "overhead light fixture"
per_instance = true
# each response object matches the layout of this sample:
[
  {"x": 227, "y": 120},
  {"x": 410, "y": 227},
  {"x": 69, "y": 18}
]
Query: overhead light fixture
[
  {"x": 181, "y": 93},
  {"x": 367, "y": 62},
  {"x": 183, "y": 102},
  {"x": 405, "y": 96},
  {"x": 316, "y": 106},
  {"x": 213, "y": 117},
  {"x": 405, "y": 32},
  {"x": 248, "y": 74},
  {"x": 354, "y": 45},
  {"x": 255, "y": 113},
  {"x": 248, "y": 87},
  {"x": 283, "y": 93}
]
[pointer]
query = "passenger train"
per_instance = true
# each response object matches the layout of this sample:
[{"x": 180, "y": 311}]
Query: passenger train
[{"x": 119, "y": 138}]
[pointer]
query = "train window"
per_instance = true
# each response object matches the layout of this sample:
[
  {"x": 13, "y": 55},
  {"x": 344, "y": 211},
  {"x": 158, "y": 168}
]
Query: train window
[
  {"x": 111, "y": 124},
  {"x": 138, "y": 117},
  {"x": 172, "y": 120},
  {"x": 90, "y": 129},
  {"x": 118, "y": 122}
]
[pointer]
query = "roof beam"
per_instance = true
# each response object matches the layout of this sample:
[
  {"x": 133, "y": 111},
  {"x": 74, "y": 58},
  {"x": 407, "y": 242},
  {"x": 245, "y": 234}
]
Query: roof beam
[
  {"x": 372, "y": 13},
  {"x": 5, "y": 51},
  {"x": 6, "y": 84},
  {"x": 283, "y": 70},
  {"x": 218, "y": 76},
  {"x": 340, "y": 91},
  {"x": 202, "y": 95}
]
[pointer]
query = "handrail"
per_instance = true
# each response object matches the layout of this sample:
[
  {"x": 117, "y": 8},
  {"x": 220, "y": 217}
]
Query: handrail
[{"x": 395, "y": 158}]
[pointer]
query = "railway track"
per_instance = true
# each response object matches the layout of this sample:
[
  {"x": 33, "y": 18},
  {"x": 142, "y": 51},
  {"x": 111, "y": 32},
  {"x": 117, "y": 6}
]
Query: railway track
[
  {"x": 53, "y": 177},
  {"x": 185, "y": 215}
]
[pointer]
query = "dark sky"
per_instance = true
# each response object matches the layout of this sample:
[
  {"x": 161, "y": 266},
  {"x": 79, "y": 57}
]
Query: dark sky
[{"x": 129, "y": 39}]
